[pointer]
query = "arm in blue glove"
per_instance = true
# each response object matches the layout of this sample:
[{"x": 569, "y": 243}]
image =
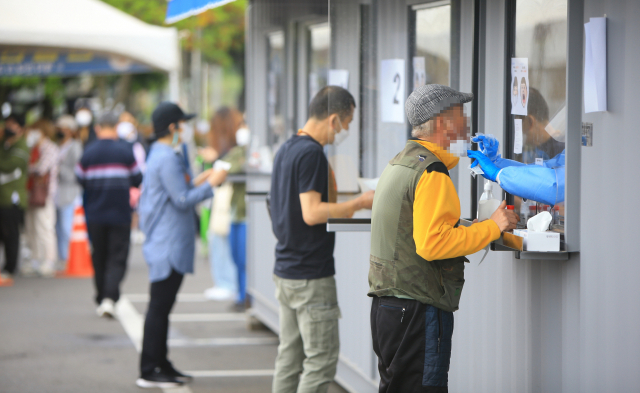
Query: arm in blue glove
[
  {"x": 538, "y": 183},
  {"x": 488, "y": 167},
  {"x": 489, "y": 145}
]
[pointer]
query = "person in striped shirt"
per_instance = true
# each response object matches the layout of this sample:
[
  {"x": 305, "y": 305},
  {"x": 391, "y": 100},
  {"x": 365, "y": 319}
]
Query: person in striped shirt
[{"x": 106, "y": 171}]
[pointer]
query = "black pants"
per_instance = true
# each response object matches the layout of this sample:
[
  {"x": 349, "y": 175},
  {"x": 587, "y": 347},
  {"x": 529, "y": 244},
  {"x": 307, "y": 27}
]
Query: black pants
[
  {"x": 156, "y": 325},
  {"x": 413, "y": 344},
  {"x": 110, "y": 252},
  {"x": 10, "y": 220}
]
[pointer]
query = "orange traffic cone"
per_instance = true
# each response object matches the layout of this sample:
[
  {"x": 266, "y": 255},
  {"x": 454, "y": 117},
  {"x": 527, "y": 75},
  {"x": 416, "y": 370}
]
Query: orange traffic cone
[
  {"x": 6, "y": 282},
  {"x": 79, "y": 264}
]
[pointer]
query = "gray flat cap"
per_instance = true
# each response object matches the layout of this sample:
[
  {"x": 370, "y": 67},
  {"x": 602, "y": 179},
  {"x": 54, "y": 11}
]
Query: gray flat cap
[{"x": 429, "y": 100}]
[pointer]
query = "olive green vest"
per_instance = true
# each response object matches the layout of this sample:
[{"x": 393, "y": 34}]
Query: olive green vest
[{"x": 395, "y": 267}]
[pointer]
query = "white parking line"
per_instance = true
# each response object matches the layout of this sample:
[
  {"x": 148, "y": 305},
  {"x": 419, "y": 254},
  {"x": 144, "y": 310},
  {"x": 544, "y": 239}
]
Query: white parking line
[
  {"x": 133, "y": 324},
  {"x": 222, "y": 342},
  {"x": 213, "y": 317},
  {"x": 230, "y": 373}
]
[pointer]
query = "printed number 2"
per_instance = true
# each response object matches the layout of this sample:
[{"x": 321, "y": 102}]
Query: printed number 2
[{"x": 396, "y": 79}]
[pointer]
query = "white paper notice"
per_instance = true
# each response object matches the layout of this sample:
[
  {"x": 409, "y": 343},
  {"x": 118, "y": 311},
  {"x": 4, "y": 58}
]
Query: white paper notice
[
  {"x": 539, "y": 161},
  {"x": 595, "y": 65},
  {"x": 392, "y": 86},
  {"x": 419, "y": 72},
  {"x": 517, "y": 140},
  {"x": 338, "y": 78},
  {"x": 519, "y": 86}
]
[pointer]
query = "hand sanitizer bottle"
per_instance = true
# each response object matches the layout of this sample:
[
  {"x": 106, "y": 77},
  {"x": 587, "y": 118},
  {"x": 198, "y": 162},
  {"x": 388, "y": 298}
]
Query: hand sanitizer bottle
[{"x": 487, "y": 204}]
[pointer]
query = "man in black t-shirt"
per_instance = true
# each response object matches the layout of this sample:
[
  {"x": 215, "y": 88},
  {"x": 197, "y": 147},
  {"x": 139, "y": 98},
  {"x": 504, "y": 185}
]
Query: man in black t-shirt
[{"x": 303, "y": 197}]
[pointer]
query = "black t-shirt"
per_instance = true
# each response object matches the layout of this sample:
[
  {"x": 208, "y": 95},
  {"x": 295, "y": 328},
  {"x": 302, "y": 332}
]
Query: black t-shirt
[{"x": 303, "y": 251}]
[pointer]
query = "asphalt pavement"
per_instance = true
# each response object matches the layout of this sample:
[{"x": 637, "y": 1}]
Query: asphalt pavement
[{"x": 52, "y": 340}]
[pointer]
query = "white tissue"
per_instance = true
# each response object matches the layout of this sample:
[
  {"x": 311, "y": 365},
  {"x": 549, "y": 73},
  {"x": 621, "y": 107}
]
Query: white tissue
[
  {"x": 367, "y": 184},
  {"x": 540, "y": 222}
]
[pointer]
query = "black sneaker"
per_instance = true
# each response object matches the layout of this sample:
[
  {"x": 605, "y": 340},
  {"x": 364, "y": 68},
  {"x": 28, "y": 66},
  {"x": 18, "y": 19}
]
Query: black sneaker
[
  {"x": 158, "y": 379},
  {"x": 238, "y": 307},
  {"x": 172, "y": 372}
]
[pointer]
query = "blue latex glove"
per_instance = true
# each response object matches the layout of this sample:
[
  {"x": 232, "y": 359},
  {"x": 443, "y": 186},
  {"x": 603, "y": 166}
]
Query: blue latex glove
[
  {"x": 489, "y": 168},
  {"x": 488, "y": 145},
  {"x": 534, "y": 182}
]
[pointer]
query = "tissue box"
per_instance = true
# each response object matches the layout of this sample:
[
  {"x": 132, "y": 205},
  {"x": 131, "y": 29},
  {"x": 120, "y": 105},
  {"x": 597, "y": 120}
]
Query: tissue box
[{"x": 538, "y": 241}]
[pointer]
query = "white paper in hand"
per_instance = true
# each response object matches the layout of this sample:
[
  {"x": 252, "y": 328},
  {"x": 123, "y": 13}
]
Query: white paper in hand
[
  {"x": 221, "y": 166},
  {"x": 540, "y": 222}
]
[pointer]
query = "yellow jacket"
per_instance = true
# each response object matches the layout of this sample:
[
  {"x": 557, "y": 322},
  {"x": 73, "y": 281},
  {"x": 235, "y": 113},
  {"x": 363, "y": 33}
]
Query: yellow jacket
[{"x": 436, "y": 210}]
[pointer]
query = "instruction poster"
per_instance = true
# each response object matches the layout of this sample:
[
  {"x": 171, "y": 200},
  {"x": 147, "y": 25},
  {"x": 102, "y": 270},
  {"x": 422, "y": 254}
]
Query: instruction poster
[
  {"x": 419, "y": 72},
  {"x": 392, "y": 86},
  {"x": 519, "y": 86}
]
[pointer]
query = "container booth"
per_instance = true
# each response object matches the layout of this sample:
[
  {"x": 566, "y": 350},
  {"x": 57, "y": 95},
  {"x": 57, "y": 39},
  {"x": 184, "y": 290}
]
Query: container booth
[{"x": 528, "y": 321}]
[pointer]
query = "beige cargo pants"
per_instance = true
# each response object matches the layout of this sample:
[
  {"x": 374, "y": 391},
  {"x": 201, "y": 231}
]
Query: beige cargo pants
[{"x": 309, "y": 339}]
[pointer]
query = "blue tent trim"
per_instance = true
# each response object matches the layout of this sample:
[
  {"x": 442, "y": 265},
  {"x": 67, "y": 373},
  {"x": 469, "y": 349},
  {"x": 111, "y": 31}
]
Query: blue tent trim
[{"x": 181, "y": 9}]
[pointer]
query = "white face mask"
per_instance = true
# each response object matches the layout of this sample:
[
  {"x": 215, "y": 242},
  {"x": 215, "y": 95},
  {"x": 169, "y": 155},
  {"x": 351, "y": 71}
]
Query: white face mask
[
  {"x": 187, "y": 133},
  {"x": 33, "y": 137},
  {"x": 83, "y": 117},
  {"x": 340, "y": 135},
  {"x": 243, "y": 136},
  {"x": 127, "y": 131},
  {"x": 459, "y": 148}
]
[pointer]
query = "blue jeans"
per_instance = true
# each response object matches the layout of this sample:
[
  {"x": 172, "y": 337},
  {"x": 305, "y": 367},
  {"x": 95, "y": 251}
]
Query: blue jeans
[
  {"x": 223, "y": 270},
  {"x": 64, "y": 224},
  {"x": 238, "y": 240}
]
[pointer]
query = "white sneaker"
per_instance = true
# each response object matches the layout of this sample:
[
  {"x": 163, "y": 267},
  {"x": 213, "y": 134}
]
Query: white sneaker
[
  {"x": 47, "y": 269},
  {"x": 219, "y": 294},
  {"x": 27, "y": 270},
  {"x": 106, "y": 309}
]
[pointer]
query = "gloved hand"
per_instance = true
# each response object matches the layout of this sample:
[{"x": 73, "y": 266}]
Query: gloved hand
[
  {"x": 489, "y": 168},
  {"x": 488, "y": 144}
]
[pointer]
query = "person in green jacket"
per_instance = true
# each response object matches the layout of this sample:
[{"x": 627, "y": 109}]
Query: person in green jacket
[{"x": 14, "y": 163}]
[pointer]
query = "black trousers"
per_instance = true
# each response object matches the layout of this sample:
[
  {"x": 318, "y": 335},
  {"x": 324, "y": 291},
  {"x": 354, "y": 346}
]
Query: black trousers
[
  {"x": 10, "y": 220},
  {"x": 413, "y": 344},
  {"x": 110, "y": 252},
  {"x": 156, "y": 325}
]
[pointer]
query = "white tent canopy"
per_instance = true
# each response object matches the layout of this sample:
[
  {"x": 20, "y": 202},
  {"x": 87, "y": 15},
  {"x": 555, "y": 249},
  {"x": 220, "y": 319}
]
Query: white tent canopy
[{"x": 90, "y": 25}]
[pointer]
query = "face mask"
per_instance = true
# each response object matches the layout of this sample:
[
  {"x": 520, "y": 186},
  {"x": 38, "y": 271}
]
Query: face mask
[
  {"x": 176, "y": 139},
  {"x": 243, "y": 136},
  {"x": 33, "y": 137},
  {"x": 84, "y": 117},
  {"x": 127, "y": 131},
  {"x": 187, "y": 133},
  {"x": 459, "y": 148},
  {"x": 340, "y": 135}
]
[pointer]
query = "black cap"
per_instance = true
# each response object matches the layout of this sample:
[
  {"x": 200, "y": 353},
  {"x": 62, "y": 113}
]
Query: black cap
[{"x": 167, "y": 113}]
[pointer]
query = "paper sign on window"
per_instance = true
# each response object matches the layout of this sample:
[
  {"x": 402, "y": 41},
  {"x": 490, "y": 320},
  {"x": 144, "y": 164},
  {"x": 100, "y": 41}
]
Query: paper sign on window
[
  {"x": 392, "y": 86},
  {"x": 419, "y": 72},
  {"x": 519, "y": 86},
  {"x": 338, "y": 78}
]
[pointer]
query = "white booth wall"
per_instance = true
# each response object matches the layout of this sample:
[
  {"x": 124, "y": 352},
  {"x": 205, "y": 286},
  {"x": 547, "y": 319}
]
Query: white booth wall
[{"x": 523, "y": 325}]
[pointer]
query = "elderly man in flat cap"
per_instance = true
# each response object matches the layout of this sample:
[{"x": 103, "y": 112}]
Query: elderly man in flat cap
[{"x": 417, "y": 248}]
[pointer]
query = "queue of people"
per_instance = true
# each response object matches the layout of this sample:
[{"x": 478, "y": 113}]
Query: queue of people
[
  {"x": 38, "y": 188},
  {"x": 418, "y": 249}
]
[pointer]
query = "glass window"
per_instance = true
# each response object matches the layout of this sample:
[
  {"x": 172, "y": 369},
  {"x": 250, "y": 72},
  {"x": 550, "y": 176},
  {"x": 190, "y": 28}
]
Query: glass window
[
  {"x": 275, "y": 88},
  {"x": 538, "y": 95},
  {"x": 319, "y": 45},
  {"x": 431, "y": 44}
]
